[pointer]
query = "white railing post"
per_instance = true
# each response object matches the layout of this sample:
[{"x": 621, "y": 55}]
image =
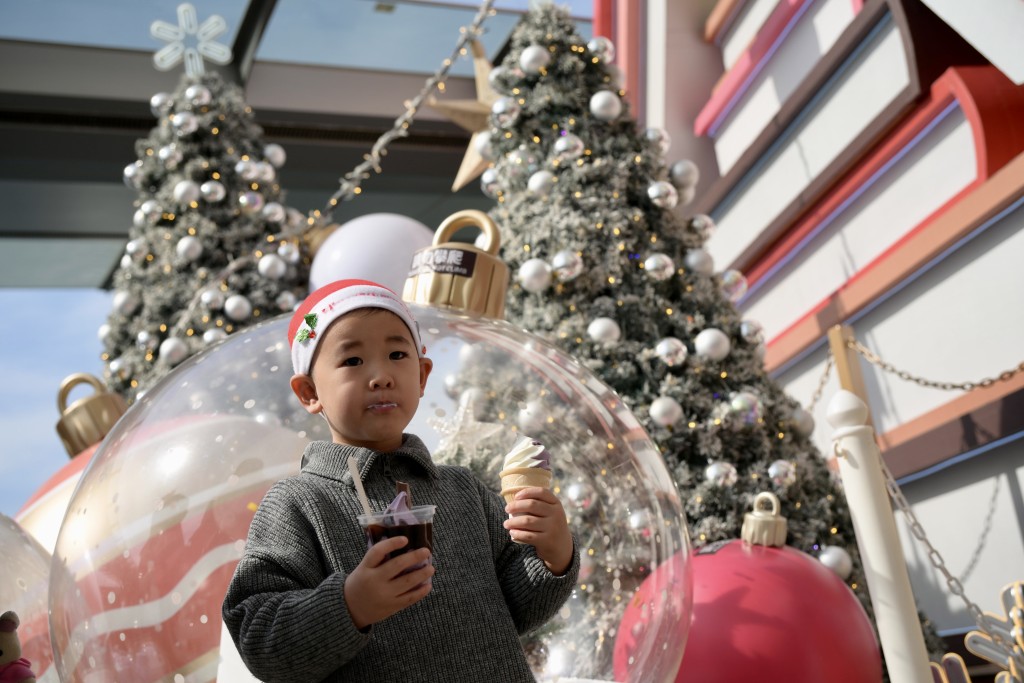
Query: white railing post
[{"x": 899, "y": 628}]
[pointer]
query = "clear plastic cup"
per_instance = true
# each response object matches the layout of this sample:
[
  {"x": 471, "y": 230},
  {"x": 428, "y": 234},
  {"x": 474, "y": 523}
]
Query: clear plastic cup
[{"x": 416, "y": 524}]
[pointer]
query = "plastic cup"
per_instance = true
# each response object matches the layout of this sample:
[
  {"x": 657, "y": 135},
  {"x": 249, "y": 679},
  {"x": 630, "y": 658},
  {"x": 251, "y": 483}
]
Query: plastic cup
[{"x": 416, "y": 524}]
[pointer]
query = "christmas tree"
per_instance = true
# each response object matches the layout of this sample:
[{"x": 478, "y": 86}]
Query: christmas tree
[
  {"x": 606, "y": 268},
  {"x": 212, "y": 249}
]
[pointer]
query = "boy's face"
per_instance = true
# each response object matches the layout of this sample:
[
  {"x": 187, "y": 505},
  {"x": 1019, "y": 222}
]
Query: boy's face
[{"x": 366, "y": 379}]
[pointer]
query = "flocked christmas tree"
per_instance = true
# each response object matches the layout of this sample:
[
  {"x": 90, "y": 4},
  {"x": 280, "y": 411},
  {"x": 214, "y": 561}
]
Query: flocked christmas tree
[
  {"x": 605, "y": 267},
  {"x": 212, "y": 249}
]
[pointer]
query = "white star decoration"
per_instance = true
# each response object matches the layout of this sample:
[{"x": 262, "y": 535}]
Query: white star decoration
[{"x": 199, "y": 36}]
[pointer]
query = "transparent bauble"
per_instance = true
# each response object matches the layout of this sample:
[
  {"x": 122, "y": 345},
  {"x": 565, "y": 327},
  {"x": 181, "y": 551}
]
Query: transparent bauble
[
  {"x": 568, "y": 146},
  {"x": 567, "y": 265},
  {"x": 659, "y": 267},
  {"x": 505, "y": 111},
  {"x": 671, "y": 351},
  {"x": 602, "y": 48},
  {"x": 733, "y": 285},
  {"x": 26, "y": 578},
  {"x": 721, "y": 474},
  {"x": 782, "y": 473},
  {"x": 159, "y": 519}
]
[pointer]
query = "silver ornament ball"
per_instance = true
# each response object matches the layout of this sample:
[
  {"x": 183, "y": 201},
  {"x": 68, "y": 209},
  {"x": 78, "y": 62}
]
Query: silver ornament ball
[
  {"x": 745, "y": 406},
  {"x": 602, "y": 48},
  {"x": 214, "y": 334},
  {"x": 703, "y": 225},
  {"x": 125, "y": 302},
  {"x": 186, "y": 192},
  {"x": 237, "y": 307},
  {"x": 663, "y": 194},
  {"x": 802, "y": 422},
  {"x": 659, "y": 267},
  {"x": 665, "y": 411},
  {"x": 659, "y": 139},
  {"x": 568, "y": 147},
  {"x": 782, "y": 473},
  {"x": 286, "y": 300},
  {"x": 213, "y": 299},
  {"x": 752, "y": 331},
  {"x": 185, "y": 123},
  {"x": 274, "y": 212},
  {"x": 160, "y": 104},
  {"x": 275, "y": 154},
  {"x": 152, "y": 210},
  {"x": 272, "y": 267},
  {"x": 721, "y": 473},
  {"x": 605, "y": 105},
  {"x": 671, "y": 351},
  {"x": 522, "y": 160},
  {"x": 189, "y": 248},
  {"x": 684, "y": 173},
  {"x": 290, "y": 252},
  {"x": 534, "y": 275},
  {"x": 541, "y": 183},
  {"x": 482, "y": 144},
  {"x": 170, "y": 155},
  {"x": 212, "y": 191},
  {"x": 133, "y": 175},
  {"x": 246, "y": 169},
  {"x": 534, "y": 59},
  {"x": 567, "y": 265},
  {"x": 250, "y": 202},
  {"x": 489, "y": 182},
  {"x": 146, "y": 340},
  {"x": 712, "y": 344},
  {"x": 505, "y": 111},
  {"x": 173, "y": 350},
  {"x": 136, "y": 249},
  {"x": 733, "y": 285},
  {"x": 699, "y": 261},
  {"x": 836, "y": 559},
  {"x": 198, "y": 95},
  {"x": 604, "y": 330}
]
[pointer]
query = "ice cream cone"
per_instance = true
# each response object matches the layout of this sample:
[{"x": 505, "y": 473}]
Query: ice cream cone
[{"x": 515, "y": 479}]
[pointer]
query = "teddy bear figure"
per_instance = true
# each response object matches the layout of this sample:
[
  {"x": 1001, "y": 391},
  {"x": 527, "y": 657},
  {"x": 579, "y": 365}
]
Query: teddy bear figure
[{"x": 13, "y": 667}]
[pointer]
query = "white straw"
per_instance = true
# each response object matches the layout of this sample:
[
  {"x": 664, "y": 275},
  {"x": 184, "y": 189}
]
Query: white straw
[{"x": 353, "y": 467}]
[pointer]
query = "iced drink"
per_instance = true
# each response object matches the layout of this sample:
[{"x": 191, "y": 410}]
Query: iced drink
[{"x": 415, "y": 523}]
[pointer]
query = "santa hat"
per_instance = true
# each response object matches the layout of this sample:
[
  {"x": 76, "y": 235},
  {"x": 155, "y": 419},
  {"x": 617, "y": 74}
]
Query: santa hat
[{"x": 332, "y": 301}]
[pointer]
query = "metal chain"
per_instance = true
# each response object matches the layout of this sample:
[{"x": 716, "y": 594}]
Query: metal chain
[
  {"x": 874, "y": 359},
  {"x": 956, "y": 587},
  {"x": 829, "y": 362}
]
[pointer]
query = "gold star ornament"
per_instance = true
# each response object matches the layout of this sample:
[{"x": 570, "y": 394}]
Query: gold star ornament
[{"x": 473, "y": 115}]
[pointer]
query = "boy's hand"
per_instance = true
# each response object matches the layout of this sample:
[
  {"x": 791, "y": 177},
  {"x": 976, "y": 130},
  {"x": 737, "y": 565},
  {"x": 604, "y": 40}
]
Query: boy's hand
[
  {"x": 377, "y": 588},
  {"x": 539, "y": 520}
]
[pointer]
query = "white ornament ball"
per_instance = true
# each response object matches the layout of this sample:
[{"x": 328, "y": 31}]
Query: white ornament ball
[
  {"x": 272, "y": 267},
  {"x": 126, "y": 261},
  {"x": 173, "y": 350},
  {"x": 275, "y": 154},
  {"x": 605, "y": 105},
  {"x": 290, "y": 252},
  {"x": 721, "y": 473},
  {"x": 186, "y": 192},
  {"x": 198, "y": 95},
  {"x": 246, "y": 169},
  {"x": 185, "y": 123},
  {"x": 212, "y": 191},
  {"x": 489, "y": 182},
  {"x": 604, "y": 330},
  {"x": 802, "y": 422},
  {"x": 482, "y": 144},
  {"x": 712, "y": 344},
  {"x": 146, "y": 340},
  {"x": 265, "y": 172},
  {"x": 136, "y": 249},
  {"x": 836, "y": 559},
  {"x": 120, "y": 368},
  {"x": 752, "y": 331},
  {"x": 567, "y": 265},
  {"x": 250, "y": 202},
  {"x": 170, "y": 155},
  {"x": 505, "y": 111},
  {"x": 671, "y": 351},
  {"x": 699, "y": 261},
  {"x": 659, "y": 267},
  {"x": 684, "y": 173},
  {"x": 666, "y": 411},
  {"x": 541, "y": 183},
  {"x": 152, "y": 210},
  {"x": 602, "y": 48},
  {"x": 139, "y": 219},
  {"x": 703, "y": 225},
  {"x": 663, "y": 194},
  {"x": 103, "y": 333},
  {"x": 125, "y": 302},
  {"x": 734, "y": 285},
  {"x": 659, "y": 139},
  {"x": 274, "y": 212},
  {"x": 534, "y": 275},
  {"x": 213, "y": 299},
  {"x": 189, "y": 248},
  {"x": 686, "y": 195},
  {"x": 237, "y": 307},
  {"x": 782, "y": 473},
  {"x": 286, "y": 300},
  {"x": 568, "y": 147},
  {"x": 214, "y": 334},
  {"x": 534, "y": 59},
  {"x": 160, "y": 104},
  {"x": 133, "y": 175},
  {"x": 376, "y": 246}
]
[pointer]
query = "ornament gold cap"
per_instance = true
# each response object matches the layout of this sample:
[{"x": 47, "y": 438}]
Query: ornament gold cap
[
  {"x": 459, "y": 275},
  {"x": 89, "y": 419},
  {"x": 764, "y": 526}
]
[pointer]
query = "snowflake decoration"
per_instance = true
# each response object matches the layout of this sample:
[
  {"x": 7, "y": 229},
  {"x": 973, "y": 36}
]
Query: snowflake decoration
[{"x": 199, "y": 36}]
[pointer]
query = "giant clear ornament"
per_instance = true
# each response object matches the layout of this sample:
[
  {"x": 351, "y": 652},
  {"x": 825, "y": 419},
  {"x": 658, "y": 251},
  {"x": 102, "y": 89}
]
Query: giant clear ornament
[
  {"x": 159, "y": 519},
  {"x": 25, "y": 565}
]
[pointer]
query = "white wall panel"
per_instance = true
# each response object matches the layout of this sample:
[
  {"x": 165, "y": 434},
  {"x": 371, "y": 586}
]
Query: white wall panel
[
  {"x": 868, "y": 84},
  {"x": 744, "y": 28},
  {"x": 926, "y": 177}
]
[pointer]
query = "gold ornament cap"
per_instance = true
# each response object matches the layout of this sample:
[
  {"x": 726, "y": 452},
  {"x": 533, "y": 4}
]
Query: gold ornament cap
[
  {"x": 89, "y": 419},
  {"x": 764, "y": 526},
  {"x": 459, "y": 275}
]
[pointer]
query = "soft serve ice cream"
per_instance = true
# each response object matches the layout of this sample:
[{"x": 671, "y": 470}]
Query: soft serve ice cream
[{"x": 527, "y": 464}]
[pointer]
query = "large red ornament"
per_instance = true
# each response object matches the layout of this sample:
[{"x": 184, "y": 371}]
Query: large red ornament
[{"x": 765, "y": 613}]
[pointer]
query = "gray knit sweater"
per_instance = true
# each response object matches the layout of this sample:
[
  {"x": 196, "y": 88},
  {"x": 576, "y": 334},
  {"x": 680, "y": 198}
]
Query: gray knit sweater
[{"x": 285, "y": 606}]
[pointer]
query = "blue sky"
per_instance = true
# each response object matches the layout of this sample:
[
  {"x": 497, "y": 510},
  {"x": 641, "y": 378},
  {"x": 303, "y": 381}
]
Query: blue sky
[{"x": 45, "y": 335}]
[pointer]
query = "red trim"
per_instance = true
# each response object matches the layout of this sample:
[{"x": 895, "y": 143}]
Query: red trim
[
  {"x": 604, "y": 18},
  {"x": 731, "y": 84},
  {"x": 991, "y": 104},
  {"x": 627, "y": 49},
  {"x": 858, "y": 5}
]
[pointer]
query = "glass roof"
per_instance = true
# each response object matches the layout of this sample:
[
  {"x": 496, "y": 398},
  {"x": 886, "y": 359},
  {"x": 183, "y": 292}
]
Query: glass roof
[{"x": 412, "y": 36}]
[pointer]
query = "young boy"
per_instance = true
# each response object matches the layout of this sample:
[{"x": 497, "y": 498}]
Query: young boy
[{"x": 308, "y": 601}]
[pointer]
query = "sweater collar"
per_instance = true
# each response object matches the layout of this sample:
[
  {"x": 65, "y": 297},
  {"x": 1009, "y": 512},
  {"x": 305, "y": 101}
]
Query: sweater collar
[{"x": 329, "y": 459}]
